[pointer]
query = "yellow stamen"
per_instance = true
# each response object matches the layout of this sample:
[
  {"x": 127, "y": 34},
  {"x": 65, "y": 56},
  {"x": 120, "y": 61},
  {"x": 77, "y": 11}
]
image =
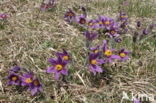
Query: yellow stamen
[
  {"x": 82, "y": 21},
  {"x": 91, "y": 24},
  {"x": 93, "y": 61},
  {"x": 107, "y": 22},
  {"x": 123, "y": 16},
  {"x": 36, "y": 83},
  {"x": 108, "y": 53},
  {"x": 28, "y": 80},
  {"x": 14, "y": 78},
  {"x": 100, "y": 22},
  {"x": 122, "y": 55},
  {"x": 70, "y": 14},
  {"x": 65, "y": 57},
  {"x": 113, "y": 32},
  {"x": 96, "y": 51},
  {"x": 58, "y": 67}
]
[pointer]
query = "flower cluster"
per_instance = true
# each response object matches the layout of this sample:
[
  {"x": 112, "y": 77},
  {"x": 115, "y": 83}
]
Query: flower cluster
[
  {"x": 123, "y": 22},
  {"x": 47, "y": 4},
  {"x": 141, "y": 31},
  {"x": 101, "y": 55},
  {"x": 59, "y": 64},
  {"x": 109, "y": 26},
  {"x": 27, "y": 79},
  {"x": 147, "y": 30},
  {"x": 92, "y": 29}
]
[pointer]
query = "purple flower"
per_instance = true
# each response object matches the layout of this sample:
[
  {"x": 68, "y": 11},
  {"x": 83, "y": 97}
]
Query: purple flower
[
  {"x": 58, "y": 67},
  {"x": 123, "y": 16},
  {"x": 81, "y": 20},
  {"x": 35, "y": 87},
  {"x": 124, "y": 26},
  {"x": 3, "y": 16},
  {"x": 108, "y": 53},
  {"x": 145, "y": 31},
  {"x": 123, "y": 54},
  {"x": 27, "y": 79},
  {"x": 93, "y": 24},
  {"x": 148, "y": 29},
  {"x": 151, "y": 26},
  {"x": 65, "y": 55},
  {"x": 90, "y": 35},
  {"x": 118, "y": 40},
  {"x": 15, "y": 69},
  {"x": 95, "y": 50},
  {"x": 94, "y": 63},
  {"x": 113, "y": 32},
  {"x": 70, "y": 16},
  {"x": 14, "y": 79},
  {"x": 100, "y": 22},
  {"x": 105, "y": 22},
  {"x": 138, "y": 24}
]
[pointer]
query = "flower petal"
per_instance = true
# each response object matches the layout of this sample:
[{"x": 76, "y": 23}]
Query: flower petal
[
  {"x": 57, "y": 75},
  {"x": 100, "y": 61},
  {"x": 34, "y": 91},
  {"x": 64, "y": 71},
  {"x": 104, "y": 45},
  {"x": 115, "y": 57},
  {"x": 92, "y": 69},
  {"x": 52, "y": 61},
  {"x": 109, "y": 60},
  {"x": 98, "y": 69},
  {"x": 125, "y": 58},
  {"x": 51, "y": 70},
  {"x": 24, "y": 84}
]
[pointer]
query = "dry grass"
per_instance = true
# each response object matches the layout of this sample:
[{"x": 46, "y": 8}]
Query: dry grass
[{"x": 30, "y": 37}]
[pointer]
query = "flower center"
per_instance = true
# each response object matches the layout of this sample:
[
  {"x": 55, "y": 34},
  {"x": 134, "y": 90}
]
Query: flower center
[
  {"x": 91, "y": 24},
  {"x": 100, "y": 22},
  {"x": 65, "y": 57},
  {"x": 70, "y": 14},
  {"x": 58, "y": 67},
  {"x": 113, "y": 32},
  {"x": 36, "y": 83},
  {"x": 96, "y": 51},
  {"x": 28, "y": 80},
  {"x": 122, "y": 55},
  {"x": 107, "y": 22},
  {"x": 108, "y": 53},
  {"x": 123, "y": 16},
  {"x": 82, "y": 21},
  {"x": 14, "y": 78},
  {"x": 93, "y": 61}
]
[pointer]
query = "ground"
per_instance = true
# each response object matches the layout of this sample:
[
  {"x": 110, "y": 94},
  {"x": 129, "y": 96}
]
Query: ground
[{"x": 29, "y": 37}]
